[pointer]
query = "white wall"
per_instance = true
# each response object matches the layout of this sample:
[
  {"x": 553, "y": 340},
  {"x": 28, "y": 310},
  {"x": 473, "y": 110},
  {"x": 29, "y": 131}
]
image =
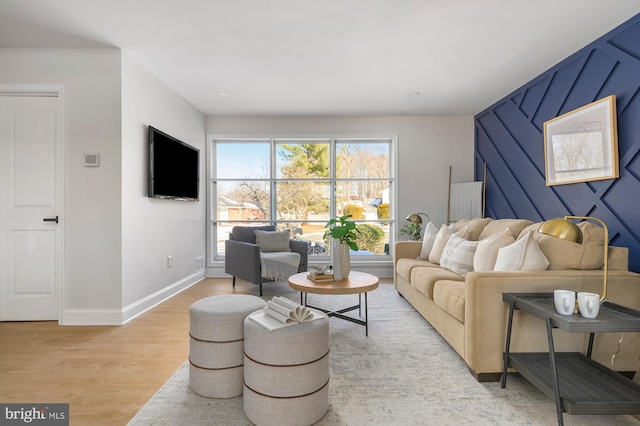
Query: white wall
[
  {"x": 116, "y": 239},
  {"x": 91, "y": 80},
  {"x": 427, "y": 146},
  {"x": 153, "y": 229}
]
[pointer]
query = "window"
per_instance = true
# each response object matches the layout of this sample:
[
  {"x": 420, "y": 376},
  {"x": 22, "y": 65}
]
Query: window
[{"x": 298, "y": 185}]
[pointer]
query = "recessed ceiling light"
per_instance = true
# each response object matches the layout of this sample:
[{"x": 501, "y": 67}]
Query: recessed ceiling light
[
  {"x": 224, "y": 94},
  {"x": 413, "y": 94}
]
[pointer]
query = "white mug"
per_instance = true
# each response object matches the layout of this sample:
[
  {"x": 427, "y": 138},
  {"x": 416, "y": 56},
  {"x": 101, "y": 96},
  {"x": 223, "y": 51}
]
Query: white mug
[
  {"x": 565, "y": 301},
  {"x": 589, "y": 304}
]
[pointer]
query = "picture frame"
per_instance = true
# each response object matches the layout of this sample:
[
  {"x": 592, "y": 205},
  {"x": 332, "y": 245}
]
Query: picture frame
[{"x": 582, "y": 145}]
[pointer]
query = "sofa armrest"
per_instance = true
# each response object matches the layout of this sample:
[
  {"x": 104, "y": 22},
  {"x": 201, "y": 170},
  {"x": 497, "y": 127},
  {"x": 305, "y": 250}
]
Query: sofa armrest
[
  {"x": 403, "y": 249},
  {"x": 486, "y": 315},
  {"x": 618, "y": 258},
  {"x": 242, "y": 260}
]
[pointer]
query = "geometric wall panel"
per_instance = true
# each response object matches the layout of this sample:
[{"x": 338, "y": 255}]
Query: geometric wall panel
[{"x": 509, "y": 139}]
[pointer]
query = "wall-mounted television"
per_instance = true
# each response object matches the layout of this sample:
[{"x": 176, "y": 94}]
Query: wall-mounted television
[{"x": 174, "y": 167}]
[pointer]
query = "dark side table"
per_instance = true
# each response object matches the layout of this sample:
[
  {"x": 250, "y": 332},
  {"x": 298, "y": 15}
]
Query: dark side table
[{"x": 578, "y": 384}]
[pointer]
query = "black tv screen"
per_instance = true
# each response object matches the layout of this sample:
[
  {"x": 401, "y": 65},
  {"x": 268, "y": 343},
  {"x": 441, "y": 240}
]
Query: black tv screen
[{"x": 173, "y": 167}]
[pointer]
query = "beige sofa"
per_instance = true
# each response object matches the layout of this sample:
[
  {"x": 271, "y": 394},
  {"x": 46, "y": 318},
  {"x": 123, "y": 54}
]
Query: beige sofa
[{"x": 470, "y": 315}]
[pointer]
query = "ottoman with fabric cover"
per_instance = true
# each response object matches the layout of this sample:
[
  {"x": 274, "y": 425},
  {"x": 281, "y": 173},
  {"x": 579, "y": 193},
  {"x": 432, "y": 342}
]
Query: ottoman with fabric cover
[
  {"x": 216, "y": 333},
  {"x": 286, "y": 373}
]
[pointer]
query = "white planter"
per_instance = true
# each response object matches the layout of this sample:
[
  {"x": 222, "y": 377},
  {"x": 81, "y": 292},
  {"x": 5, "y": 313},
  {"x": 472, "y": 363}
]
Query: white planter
[
  {"x": 345, "y": 260},
  {"x": 340, "y": 260}
]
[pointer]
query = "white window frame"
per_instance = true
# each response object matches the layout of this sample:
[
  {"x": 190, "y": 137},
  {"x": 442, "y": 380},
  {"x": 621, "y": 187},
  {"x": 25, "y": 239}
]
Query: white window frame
[{"x": 333, "y": 140}]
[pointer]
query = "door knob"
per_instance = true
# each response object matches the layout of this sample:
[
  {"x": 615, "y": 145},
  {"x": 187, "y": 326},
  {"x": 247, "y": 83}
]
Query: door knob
[{"x": 51, "y": 219}]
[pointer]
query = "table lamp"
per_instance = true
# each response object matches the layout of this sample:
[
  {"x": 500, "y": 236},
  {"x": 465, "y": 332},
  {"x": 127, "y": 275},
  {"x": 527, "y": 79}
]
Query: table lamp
[
  {"x": 569, "y": 231},
  {"x": 415, "y": 218}
]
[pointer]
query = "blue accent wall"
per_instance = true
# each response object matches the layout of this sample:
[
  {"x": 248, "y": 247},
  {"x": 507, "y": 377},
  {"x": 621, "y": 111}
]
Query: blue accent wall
[{"x": 509, "y": 139}]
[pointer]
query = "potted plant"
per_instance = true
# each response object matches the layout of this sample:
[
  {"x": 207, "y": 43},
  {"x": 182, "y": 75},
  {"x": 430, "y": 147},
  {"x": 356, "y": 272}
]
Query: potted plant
[
  {"x": 343, "y": 233},
  {"x": 344, "y": 230},
  {"x": 413, "y": 230}
]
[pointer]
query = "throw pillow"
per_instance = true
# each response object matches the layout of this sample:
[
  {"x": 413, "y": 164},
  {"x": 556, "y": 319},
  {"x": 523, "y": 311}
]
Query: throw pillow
[
  {"x": 430, "y": 232},
  {"x": 523, "y": 255},
  {"x": 487, "y": 251},
  {"x": 458, "y": 255},
  {"x": 441, "y": 240},
  {"x": 270, "y": 241}
]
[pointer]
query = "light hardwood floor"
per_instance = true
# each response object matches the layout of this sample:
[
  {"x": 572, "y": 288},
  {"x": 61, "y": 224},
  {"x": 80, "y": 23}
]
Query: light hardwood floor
[{"x": 106, "y": 374}]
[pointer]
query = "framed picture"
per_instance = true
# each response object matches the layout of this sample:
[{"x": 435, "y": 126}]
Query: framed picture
[{"x": 582, "y": 145}]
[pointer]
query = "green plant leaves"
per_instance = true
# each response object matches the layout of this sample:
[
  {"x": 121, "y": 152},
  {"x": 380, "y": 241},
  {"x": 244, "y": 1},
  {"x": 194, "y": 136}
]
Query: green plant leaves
[{"x": 344, "y": 230}]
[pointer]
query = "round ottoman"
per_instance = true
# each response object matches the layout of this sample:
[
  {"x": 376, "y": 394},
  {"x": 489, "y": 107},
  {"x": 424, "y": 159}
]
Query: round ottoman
[
  {"x": 286, "y": 373},
  {"x": 216, "y": 343}
]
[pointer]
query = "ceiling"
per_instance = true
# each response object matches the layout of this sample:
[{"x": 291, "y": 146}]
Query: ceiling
[{"x": 329, "y": 57}]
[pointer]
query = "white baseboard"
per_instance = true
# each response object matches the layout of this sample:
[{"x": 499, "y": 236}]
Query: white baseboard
[
  {"x": 91, "y": 317},
  {"x": 122, "y": 316},
  {"x": 143, "y": 305}
]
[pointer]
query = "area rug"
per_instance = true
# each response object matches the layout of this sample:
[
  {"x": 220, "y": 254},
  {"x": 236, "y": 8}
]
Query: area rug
[{"x": 404, "y": 373}]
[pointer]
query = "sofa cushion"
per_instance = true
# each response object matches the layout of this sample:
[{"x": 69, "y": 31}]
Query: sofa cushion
[
  {"x": 568, "y": 255},
  {"x": 487, "y": 250},
  {"x": 405, "y": 265},
  {"x": 458, "y": 254},
  {"x": 515, "y": 225},
  {"x": 523, "y": 255},
  {"x": 430, "y": 232},
  {"x": 423, "y": 279},
  {"x": 474, "y": 227},
  {"x": 449, "y": 295},
  {"x": 273, "y": 241}
]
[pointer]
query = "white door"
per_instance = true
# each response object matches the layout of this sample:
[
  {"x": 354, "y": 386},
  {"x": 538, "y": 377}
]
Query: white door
[{"x": 30, "y": 202}]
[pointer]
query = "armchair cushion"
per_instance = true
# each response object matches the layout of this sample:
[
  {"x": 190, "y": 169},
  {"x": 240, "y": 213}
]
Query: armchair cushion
[
  {"x": 247, "y": 233},
  {"x": 271, "y": 241}
]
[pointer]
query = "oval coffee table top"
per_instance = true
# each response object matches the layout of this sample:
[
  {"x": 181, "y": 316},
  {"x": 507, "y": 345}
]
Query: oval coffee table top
[{"x": 358, "y": 282}]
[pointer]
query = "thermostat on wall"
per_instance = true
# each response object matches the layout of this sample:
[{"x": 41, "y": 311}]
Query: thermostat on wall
[{"x": 91, "y": 159}]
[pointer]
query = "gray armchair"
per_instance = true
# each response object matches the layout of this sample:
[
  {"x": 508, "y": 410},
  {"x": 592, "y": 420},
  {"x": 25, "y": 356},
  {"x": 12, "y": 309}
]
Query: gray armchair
[{"x": 242, "y": 254}]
